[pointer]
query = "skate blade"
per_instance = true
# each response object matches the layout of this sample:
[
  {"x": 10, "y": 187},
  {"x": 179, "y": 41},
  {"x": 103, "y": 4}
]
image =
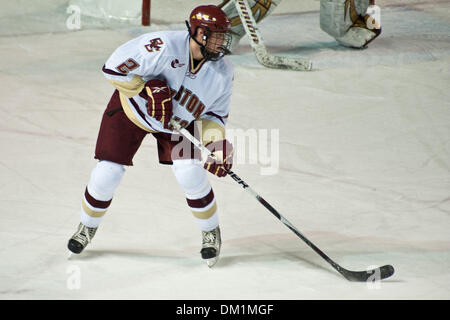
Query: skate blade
[{"x": 211, "y": 262}]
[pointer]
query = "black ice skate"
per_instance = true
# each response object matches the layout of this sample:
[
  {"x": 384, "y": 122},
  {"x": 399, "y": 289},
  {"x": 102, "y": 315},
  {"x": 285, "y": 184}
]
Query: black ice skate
[
  {"x": 211, "y": 243},
  {"x": 81, "y": 238}
]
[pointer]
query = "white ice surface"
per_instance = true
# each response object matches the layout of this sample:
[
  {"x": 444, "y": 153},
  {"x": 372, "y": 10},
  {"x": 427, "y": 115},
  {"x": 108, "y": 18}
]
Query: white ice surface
[{"x": 364, "y": 169}]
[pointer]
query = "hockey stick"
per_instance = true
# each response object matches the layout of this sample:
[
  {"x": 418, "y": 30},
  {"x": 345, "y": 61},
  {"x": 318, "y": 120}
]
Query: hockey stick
[
  {"x": 257, "y": 43},
  {"x": 361, "y": 276}
]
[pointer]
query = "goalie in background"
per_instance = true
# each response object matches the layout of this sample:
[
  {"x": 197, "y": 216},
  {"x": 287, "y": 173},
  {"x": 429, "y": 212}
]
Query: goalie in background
[{"x": 350, "y": 22}]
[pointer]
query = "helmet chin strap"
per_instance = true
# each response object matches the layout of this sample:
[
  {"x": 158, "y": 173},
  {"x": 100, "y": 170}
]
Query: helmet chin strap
[
  {"x": 205, "y": 53},
  {"x": 204, "y": 38}
]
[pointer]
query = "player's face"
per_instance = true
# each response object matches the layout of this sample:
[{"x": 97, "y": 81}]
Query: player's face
[{"x": 218, "y": 44}]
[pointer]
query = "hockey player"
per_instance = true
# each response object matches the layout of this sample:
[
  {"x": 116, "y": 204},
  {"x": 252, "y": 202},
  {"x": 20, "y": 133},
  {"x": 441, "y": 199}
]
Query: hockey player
[
  {"x": 162, "y": 77},
  {"x": 349, "y": 21}
]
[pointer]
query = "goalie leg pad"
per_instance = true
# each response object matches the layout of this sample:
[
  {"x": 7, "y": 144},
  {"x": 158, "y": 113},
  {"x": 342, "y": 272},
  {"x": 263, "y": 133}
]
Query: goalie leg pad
[
  {"x": 346, "y": 21},
  {"x": 358, "y": 37}
]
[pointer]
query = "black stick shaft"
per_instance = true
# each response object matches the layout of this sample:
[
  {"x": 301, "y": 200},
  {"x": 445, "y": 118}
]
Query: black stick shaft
[{"x": 284, "y": 221}]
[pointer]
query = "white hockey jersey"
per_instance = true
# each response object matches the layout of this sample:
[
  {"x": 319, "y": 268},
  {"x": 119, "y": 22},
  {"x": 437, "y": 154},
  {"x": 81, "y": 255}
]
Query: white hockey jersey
[{"x": 202, "y": 92}]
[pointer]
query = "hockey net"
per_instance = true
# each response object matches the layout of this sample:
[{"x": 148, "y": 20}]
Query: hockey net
[{"x": 129, "y": 11}]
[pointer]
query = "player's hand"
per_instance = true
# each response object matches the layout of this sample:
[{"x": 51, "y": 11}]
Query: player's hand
[
  {"x": 222, "y": 159},
  {"x": 159, "y": 101}
]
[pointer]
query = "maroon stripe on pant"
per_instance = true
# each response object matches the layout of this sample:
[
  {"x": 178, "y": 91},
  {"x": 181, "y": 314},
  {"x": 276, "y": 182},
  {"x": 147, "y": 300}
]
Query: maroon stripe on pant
[
  {"x": 202, "y": 202},
  {"x": 96, "y": 203}
]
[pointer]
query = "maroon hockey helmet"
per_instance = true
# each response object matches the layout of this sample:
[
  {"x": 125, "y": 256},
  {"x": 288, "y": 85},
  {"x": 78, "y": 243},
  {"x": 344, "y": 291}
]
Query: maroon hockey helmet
[
  {"x": 213, "y": 20},
  {"x": 210, "y": 17}
]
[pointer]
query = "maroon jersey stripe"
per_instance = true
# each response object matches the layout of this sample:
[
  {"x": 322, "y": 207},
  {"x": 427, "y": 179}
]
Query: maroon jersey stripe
[
  {"x": 202, "y": 202},
  {"x": 216, "y": 116},
  {"x": 109, "y": 71}
]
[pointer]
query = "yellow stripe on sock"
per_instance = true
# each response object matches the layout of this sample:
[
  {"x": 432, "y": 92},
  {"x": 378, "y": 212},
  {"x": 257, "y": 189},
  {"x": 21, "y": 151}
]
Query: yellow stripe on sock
[
  {"x": 92, "y": 213},
  {"x": 205, "y": 214}
]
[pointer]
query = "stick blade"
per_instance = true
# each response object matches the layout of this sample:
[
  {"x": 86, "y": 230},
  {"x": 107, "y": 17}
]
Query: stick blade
[
  {"x": 369, "y": 275},
  {"x": 277, "y": 62}
]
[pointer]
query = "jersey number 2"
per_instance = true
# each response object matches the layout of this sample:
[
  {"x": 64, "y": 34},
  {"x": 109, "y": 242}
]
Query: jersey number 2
[{"x": 127, "y": 66}]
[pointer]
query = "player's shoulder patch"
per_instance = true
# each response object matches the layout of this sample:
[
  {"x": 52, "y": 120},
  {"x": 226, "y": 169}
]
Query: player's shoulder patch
[
  {"x": 165, "y": 42},
  {"x": 154, "y": 43}
]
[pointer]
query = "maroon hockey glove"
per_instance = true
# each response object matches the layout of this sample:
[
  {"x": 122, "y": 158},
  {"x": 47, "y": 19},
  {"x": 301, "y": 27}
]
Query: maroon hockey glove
[
  {"x": 223, "y": 160},
  {"x": 159, "y": 105}
]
